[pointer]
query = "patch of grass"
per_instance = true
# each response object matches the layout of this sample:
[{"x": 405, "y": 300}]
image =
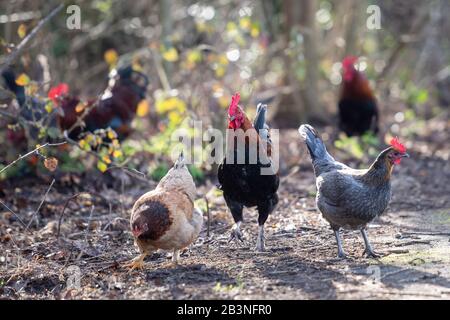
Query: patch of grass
[
  {"x": 419, "y": 257},
  {"x": 219, "y": 287}
]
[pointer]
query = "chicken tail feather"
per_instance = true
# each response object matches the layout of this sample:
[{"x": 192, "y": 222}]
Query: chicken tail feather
[{"x": 315, "y": 145}]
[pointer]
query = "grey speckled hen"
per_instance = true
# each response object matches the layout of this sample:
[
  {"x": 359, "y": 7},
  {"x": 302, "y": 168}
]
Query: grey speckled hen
[{"x": 350, "y": 198}]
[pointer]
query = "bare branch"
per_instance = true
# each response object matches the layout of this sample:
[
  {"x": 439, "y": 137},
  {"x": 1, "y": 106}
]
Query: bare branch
[
  {"x": 31, "y": 152},
  {"x": 15, "y": 214},
  {"x": 40, "y": 205},
  {"x": 23, "y": 44}
]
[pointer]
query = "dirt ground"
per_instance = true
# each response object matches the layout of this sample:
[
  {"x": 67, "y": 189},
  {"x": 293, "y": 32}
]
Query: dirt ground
[{"x": 300, "y": 263}]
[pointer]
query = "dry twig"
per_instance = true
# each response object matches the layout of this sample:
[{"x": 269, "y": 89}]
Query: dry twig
[
  {"x": 36, "y": 150},
  {"x": 23, "y": 44}
]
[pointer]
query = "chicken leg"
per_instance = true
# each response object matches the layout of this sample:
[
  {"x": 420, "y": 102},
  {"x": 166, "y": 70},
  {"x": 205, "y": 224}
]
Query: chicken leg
[
  {"x": 341, "y": 252},
  {"x": 260, "y": 241},
  {"x": 236, "y": 210},
  {"x": 264, "y": 209},
  {"x": 175, "y": 257},
  {"x": 368, "y": 251}
]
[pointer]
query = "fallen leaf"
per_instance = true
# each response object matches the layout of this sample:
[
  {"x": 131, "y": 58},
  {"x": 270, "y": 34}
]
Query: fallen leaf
[{"x": 51, "y": 163}]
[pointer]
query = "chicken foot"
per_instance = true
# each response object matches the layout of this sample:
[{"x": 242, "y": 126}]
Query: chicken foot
[
  {"x": 236, "y": 233},
  {"x": 136, "y": 263},
  {"x": 368, "y": 252}
]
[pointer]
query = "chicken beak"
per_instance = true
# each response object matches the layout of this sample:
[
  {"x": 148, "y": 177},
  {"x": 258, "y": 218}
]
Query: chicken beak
[{"x": 405, "y": 155}]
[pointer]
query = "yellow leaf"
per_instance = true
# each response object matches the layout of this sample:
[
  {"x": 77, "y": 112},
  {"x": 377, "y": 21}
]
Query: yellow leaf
[
  {"x": 112, "y": 134},
  {"x": 170, "y": 55},
  {"x": 111, "y": 57},
  {"x": 245, "y": 23},
  {"x": 254, "y": 32},
  {"x": 170, "y": 104},
  {"x": 194, "y": 56},
  {"x": 22, "y": 30},
  {"x": 136, "y": 66},
  {"x": 90, "y": 137},
  {"x": 117, "y": 153},
  {"x": 174, "y": 117},
  {"x": 231, "y": 26},
  {"x": 220, "y": 71},
  {"x": 142, "y": 108},
  {"x": 115, "y": 143},
  {"x": 22, "y": 80},
  {"x": 222, "y": 59},
  {"x": 102, "y": 166},
  {"x": 49, "y": 106},
  {"x": 82, "y": 143},
  {"x": 106, "y": 159},
  {"x": 80, "y": 107},
  {"x": 32, "y": 88},
  {"x": 224, "y": 101}
]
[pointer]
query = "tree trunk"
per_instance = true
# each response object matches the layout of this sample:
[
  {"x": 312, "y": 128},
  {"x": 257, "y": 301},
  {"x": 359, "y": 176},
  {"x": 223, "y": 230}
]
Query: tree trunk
[
  {"x": 314, "y": 110},
  {"x": 302, "y": 104},
  {"x": 165, "y": 18}
]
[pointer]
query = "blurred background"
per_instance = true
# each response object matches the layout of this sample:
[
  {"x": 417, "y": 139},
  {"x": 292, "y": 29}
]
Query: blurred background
[{"x": 196, "y": 54}]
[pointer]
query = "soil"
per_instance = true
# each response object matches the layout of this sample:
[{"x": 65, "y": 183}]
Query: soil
[{"x": 93, "y": 240}]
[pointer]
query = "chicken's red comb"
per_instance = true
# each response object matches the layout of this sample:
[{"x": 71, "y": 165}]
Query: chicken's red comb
[
  {"x": 58, "y": 91},
  {"x": 234, "y": 103},
  {"x": 397, "y": 145},
  {"x": 349, "y": 61}
]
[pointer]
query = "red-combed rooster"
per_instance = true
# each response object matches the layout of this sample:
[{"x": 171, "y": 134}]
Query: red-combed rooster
[
  {"x": 350, "y": 198},
  {"x": 116, "y": 107},
  {"x": 245, "y": 184},
  {"x": 358, "y": 110}
]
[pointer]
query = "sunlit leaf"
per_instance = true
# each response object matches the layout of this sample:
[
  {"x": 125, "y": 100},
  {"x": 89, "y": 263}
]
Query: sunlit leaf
[
  {"x": 111, "y": 57},
  {"x": 111, "y": 134},
  {"x": 194, "y": 56},
  {"x": 220, "y": 71},
  {"x": 170, "y": 55},
  {"x": 115, "y": 143},
  {"x": 172, "y": 103},
  {"x": 222, "y": 59},
  {"x": 231, "y": 26},
  {"x": 117, "y": 154},
  {"x": 22, "y": 30},
  {"x": 49, "y": 106},
  {"x": 102, "y": 166},
  {"x": 255, "y": 30},
  {"x": 32, "y": 88},
  {"x": 80, "y": 107},
  {"x": 143, "y": 108},
  {"x": 106, "y": 159},
  {"x": 84, "y": 145},
  {"x": 174, "y": 117},
  {"x": 224, "y": 101},
  {"x": 22, "y": 80},
  {"x": 245, "y": 23}
]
